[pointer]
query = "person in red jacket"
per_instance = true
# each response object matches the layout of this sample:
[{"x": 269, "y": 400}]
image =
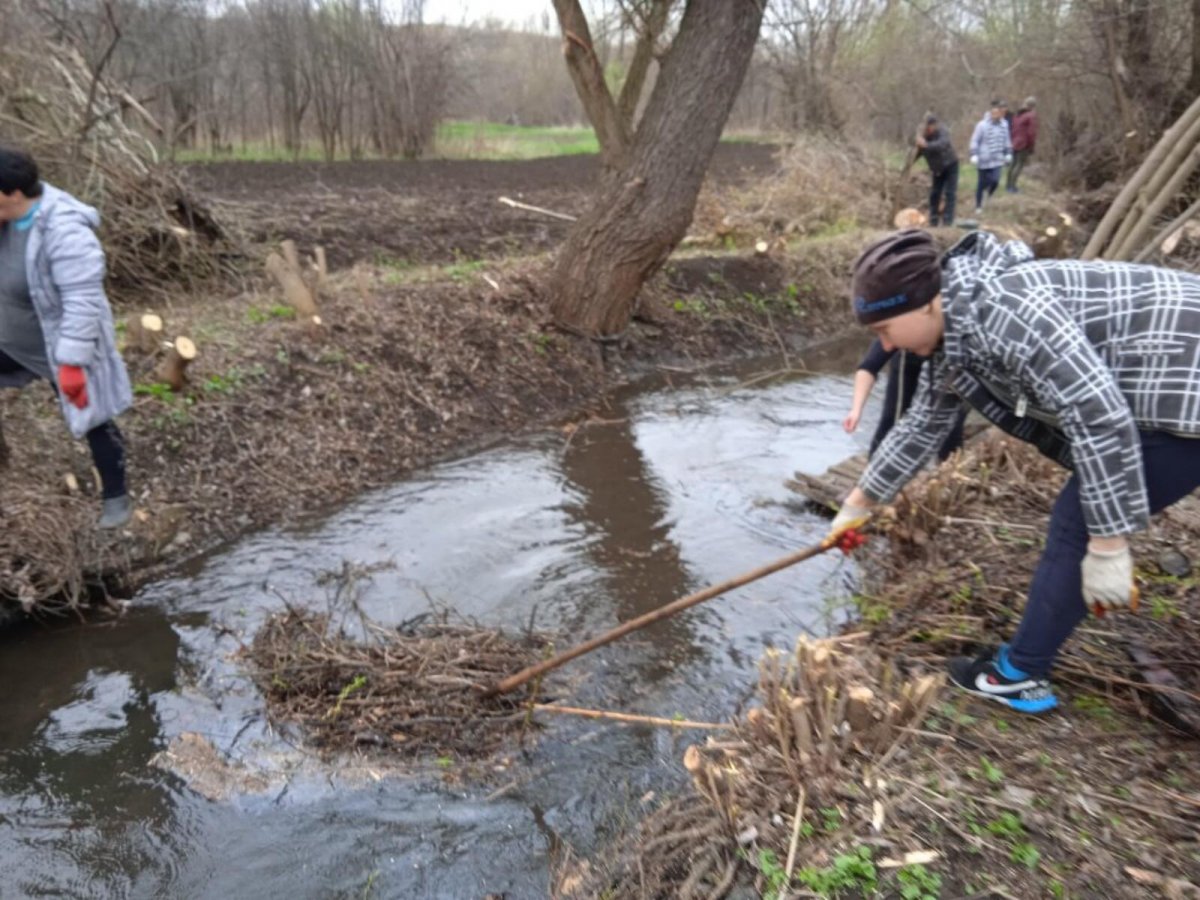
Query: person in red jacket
[{"x": 1024, "y": 136}]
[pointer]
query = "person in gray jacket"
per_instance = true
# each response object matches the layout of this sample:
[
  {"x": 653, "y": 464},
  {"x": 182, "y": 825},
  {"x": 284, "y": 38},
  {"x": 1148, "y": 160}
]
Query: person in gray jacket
[
  {"x": 55, "y": 321},
  {"x": 1097, "y": 364}
]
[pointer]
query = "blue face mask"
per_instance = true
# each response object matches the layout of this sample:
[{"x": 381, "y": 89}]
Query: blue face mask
[{"x": 26, "y": 221}]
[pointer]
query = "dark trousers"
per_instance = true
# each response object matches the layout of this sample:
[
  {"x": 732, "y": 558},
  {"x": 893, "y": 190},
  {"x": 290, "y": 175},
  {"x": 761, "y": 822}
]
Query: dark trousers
[
  {"x": 1055, "y": 605},
  {"x": 989, "y": 180},
  {"x": 105, "y": 441},
  {"x": 904, "y": 374},
  {"x": 1020, "y": 157},
  {"x": 944, "y": 183}
]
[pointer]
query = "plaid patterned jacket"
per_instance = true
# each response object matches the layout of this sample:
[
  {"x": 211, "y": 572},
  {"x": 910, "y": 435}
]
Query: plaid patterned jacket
[{"x": 1073, "y": 357}]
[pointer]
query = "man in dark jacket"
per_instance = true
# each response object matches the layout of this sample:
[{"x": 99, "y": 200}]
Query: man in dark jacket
[
  {"x": 1024, "y": 136},
  {"x": 934, "y": 144},
  {"x": 1095, "y": 363}
]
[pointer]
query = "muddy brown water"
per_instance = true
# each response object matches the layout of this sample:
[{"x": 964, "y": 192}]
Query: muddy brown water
[{"x": 683, "y": 486}]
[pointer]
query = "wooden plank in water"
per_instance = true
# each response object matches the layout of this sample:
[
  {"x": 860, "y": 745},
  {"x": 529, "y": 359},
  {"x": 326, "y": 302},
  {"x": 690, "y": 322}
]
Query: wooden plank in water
[{"x": 827, "y": 490}]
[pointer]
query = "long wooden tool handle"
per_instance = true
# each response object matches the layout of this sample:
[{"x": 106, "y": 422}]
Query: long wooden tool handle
[{"x": 513, "y": 681}]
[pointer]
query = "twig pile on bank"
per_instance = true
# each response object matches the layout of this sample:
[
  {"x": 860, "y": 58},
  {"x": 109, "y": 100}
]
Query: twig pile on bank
[
  {"x": 834, "y": 718},
  {"x": 89, "y": 137},
  {"x": 407, "y": 691}
]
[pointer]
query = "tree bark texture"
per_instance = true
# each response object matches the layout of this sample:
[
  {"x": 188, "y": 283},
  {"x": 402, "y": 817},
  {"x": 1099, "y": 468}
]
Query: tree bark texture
[{"x": 643, "y": 211}]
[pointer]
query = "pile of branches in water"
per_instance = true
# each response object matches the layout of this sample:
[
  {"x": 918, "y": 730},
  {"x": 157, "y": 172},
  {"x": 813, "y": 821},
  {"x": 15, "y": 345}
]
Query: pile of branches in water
[
  {"x": 89, "y": 136},
  {"x": 414, "y": 689}
]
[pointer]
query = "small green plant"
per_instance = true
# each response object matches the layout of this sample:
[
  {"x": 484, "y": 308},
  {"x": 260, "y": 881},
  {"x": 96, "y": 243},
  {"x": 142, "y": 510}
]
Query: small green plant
[
  {"x": 990, "y": 772},
  {"x": 1026, "y": 855},
  {"x": 1058, "y": 890},
  {"x": 691, "y": 305},
  {"x": 773, "y": 873},
  {"x": 158, "y": 390},
  {"x": 850, "y": 871},
  {"x": 1095, "y": 707},
  {"x": 542, "y": 342},
  {"x": 918, "y": 883},
  {"x": 463, "y": 269},
  {"x": 224, "y": 384},
  {"x": 870, "y": 610},
  {"x": 356, "y": 684},
  {"x": 1162, "y": 608},
  {"x": 831, "y": 818},
  {"x": 1007, "y": 825},
  {"x": 444, "y": 762}
]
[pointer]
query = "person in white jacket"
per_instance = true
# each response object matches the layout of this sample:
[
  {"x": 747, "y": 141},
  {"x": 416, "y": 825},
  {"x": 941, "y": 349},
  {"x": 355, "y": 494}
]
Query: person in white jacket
[
  {"x": 55, "y": 321},
  {"x": 991, "y": 151}
]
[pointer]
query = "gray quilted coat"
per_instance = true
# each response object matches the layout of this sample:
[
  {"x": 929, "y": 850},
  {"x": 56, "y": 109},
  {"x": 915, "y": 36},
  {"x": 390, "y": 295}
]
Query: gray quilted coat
[{"x": 65, "y": 267}]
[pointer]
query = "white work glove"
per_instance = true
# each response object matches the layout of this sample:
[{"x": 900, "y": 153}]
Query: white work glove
[
  {"x": 1008, "y": 160},
  {"x": 974, "y": 160},
  {"x": 1108, "y": 579},
  {"x": 849, "y": 516}
]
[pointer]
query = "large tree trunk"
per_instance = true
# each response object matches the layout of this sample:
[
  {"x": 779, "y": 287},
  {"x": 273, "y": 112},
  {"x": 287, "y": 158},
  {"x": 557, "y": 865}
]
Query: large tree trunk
[{"x": 643, "y": 211}]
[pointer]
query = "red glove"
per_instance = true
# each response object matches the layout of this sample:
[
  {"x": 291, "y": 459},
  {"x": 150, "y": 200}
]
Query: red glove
[
  {"x": 73, "y": 383},
  {"x": 851, "y": 540}
]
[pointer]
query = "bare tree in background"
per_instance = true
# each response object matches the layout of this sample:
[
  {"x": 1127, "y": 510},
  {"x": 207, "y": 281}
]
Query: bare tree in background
[
  {"x": 805, "y": 38},
  {"x": 612, "y": 117},
  {"x": 648, "y": 196}
]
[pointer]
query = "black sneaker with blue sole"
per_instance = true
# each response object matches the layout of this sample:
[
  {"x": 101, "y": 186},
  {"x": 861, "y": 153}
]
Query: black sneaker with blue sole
[{"x": 993, "y": 675}]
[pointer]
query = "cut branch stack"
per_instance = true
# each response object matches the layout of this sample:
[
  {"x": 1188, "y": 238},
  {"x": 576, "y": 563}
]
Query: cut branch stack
[
  {"x": 831, "y": 713},
  {"x": 91, "y": 137}
]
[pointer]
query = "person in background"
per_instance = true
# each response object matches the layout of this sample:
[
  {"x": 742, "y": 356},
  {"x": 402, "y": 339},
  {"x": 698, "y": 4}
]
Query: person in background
[
  {"x": 991, "y": 151},
  {"x": 903, "y": 377},
  {"x": 55, "y": 321},
  {"x": 934, "y": 144},
  {"x": 1024, "y": 136}
]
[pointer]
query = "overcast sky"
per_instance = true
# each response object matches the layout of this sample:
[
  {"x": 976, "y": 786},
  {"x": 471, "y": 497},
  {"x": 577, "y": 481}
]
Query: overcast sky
[{"x": 519, "y": 13}]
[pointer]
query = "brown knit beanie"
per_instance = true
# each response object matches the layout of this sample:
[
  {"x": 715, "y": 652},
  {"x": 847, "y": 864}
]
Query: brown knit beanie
[{"x": 896, "y": 275}]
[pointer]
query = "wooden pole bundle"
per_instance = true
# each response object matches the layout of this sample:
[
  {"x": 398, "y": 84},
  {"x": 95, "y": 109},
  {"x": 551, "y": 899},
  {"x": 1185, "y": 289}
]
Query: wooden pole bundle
[{"x": 1165, "y": 170}]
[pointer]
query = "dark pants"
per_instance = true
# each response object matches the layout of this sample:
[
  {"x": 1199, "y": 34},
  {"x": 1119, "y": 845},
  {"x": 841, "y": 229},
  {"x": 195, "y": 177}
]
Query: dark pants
[
  {"x": 1020, "y": 157},
  {"x": 1055, "y": 605},
  {"x": 944, "y": 182},
  {"x": 105, "y": 442},
  {"x": 989, "y": 180},
  {"x": 904, "y": 374}
]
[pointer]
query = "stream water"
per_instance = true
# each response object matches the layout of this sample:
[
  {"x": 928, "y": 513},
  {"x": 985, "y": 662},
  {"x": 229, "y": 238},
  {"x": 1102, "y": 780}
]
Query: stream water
[{"x": 679, "y": 485}]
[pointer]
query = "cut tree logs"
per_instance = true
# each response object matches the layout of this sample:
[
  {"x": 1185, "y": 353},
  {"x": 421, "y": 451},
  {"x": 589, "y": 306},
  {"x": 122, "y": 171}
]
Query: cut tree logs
[
  {"x": 173, "y": 370},
  {"x": 289, "y": 277},
  {"x": 910, "y": 218},
  {"x": 144, "y": 334},
  {"x": 1052, "y": 242}
]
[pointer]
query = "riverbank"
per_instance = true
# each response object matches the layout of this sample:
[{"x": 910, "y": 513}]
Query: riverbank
[
  {"x": 1096, "y": 799},
  {"x": 280, "y": 420}
]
